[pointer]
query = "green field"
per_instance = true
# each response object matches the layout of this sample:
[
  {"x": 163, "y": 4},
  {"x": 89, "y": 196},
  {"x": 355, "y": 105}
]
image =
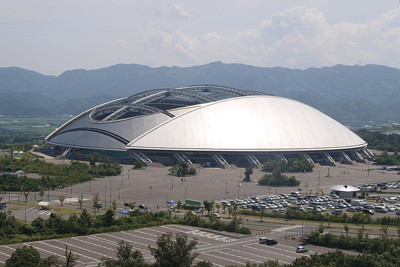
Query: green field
[{"x": 24, "y": 130}]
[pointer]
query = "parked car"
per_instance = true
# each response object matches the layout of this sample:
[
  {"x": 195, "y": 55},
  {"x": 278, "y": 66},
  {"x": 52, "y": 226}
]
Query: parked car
[
  {"x": 269, "y": 242},
  {"x": 380, "y": 209},
  {"x": 143, "y": 207},
  {"x": 301, "y": 249},
  {"x": 337, "y": 211},
  {"x": 368, "y": 211},
  {"x": 216, "y": 215}
]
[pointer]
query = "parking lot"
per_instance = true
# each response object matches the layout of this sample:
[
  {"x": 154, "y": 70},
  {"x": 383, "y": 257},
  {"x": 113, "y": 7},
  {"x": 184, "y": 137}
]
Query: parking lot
[{"x": 220, "y": 248}]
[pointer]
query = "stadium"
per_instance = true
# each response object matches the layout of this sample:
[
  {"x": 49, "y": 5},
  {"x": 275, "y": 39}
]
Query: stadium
[{"x": 208, "y": 125}]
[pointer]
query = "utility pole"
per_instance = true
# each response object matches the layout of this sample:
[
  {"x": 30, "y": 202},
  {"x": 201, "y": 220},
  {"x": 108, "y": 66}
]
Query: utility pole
[{"x": 110, "y": 190}]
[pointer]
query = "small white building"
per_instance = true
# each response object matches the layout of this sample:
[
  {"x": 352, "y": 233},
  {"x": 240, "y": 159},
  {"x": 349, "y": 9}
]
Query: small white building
[{"x": 345, "y": 191}]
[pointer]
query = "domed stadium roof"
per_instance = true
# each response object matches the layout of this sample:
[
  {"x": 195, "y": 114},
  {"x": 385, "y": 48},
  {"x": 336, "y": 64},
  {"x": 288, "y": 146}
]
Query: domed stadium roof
[{"x": 205, "y": 118}]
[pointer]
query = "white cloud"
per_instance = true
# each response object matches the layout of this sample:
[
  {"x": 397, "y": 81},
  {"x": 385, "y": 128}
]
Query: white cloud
[{"x": 299, "y": 37}]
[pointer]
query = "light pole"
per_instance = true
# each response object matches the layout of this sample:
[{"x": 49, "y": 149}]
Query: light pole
[
  {"x": 119, "y": 193},
  {"x": 150, "y": 191},
  {"x": 105, "y": 197},
  {"x": 239, "y": 185},
  {"x": 110, "y": 190},
  {"x": 185, "y": 192},
  {"x": 226, "y": 188},
  {"x": 172, "y": 184},
  {"x": 122, "y": 178}
]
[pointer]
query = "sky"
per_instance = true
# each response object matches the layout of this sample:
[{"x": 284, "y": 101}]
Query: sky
[{"x": 51, "y": 37}]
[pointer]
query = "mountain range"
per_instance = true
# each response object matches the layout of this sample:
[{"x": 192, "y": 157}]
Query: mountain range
[{"x": 353, "y": 95}]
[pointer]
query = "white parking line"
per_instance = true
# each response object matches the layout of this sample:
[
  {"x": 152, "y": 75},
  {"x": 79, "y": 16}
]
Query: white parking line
[
  {"x": 10, "y": 248},
  {"x": 50, "y": 252},
  {"x": 225, "y": 245},
  {"x": 63, "y": 249},
  {"x": 221, "y": 258},
  {"x": 256, "y": 255},
  {"x": 81, "y": 248},
  {"x": 130, "y": 241},
  {"x": 97, "y": 238},
  {"x": 100, "y": 246},
  {"x": 138, "y": 236},
  {"x": 268, "y": 251},
  {"x": 240, "y": 257},
  {"x": 4, "y": 255}
]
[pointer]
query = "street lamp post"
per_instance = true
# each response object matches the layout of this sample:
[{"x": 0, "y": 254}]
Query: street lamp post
[
  {"x": 105, "y": 197},
  {"x": 239, "y": 185},
  {"x": 150, "y": 191},
  {"x": 226, "y": 188},
  {"x": 185, "y": 192},
  {"x": 110, "y": 190}
]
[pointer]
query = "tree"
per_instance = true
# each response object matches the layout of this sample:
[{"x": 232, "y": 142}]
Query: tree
[
  {"x": 235, "y": 210},
  {"x": 96, "y": 202},
  {"x": 132, "y": 205},
  {"x": 218, "y": 206},
  {"x": 126, "y": 257},
  {"x": 170, "y": 253},
  {"x": 247, "y": 172},
  {"x": 346, "y": 229},
  {"x": 70, "y": 258},
  {"x": 138, "y": 164},
  {"x": 208, "y": 205},
  {"x": 114, "y": 206},
  {"x": 230, "y": 209},
  {"x": 41, "y": 194},
  {"x": 108, "y": 218},
  {"x": 25, "y": 256},
  {"x": 26, "y": 194},
  {"x": 224, "y": 205},
  {"x": 321, "y": 228},
  {"x": 85, "y": 221},
  {"x": 80, "y": 201},
  {"x": 179, "y": 204},
  {"x": 61, "y": 198}
]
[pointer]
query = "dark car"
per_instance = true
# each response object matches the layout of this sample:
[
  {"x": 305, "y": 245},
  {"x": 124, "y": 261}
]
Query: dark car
[
  {"x": 271, "y": 242},
  {"x": 368, "y": 211},
  {"x": 143, "y": 207}
]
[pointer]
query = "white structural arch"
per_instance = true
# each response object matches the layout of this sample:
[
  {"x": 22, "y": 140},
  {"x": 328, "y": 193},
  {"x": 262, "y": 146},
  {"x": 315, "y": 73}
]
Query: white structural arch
[{"x": 208, "y": 119}]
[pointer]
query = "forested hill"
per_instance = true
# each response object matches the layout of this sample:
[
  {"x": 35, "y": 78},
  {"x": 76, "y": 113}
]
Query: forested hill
[{"x": 347, "y": 93}]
